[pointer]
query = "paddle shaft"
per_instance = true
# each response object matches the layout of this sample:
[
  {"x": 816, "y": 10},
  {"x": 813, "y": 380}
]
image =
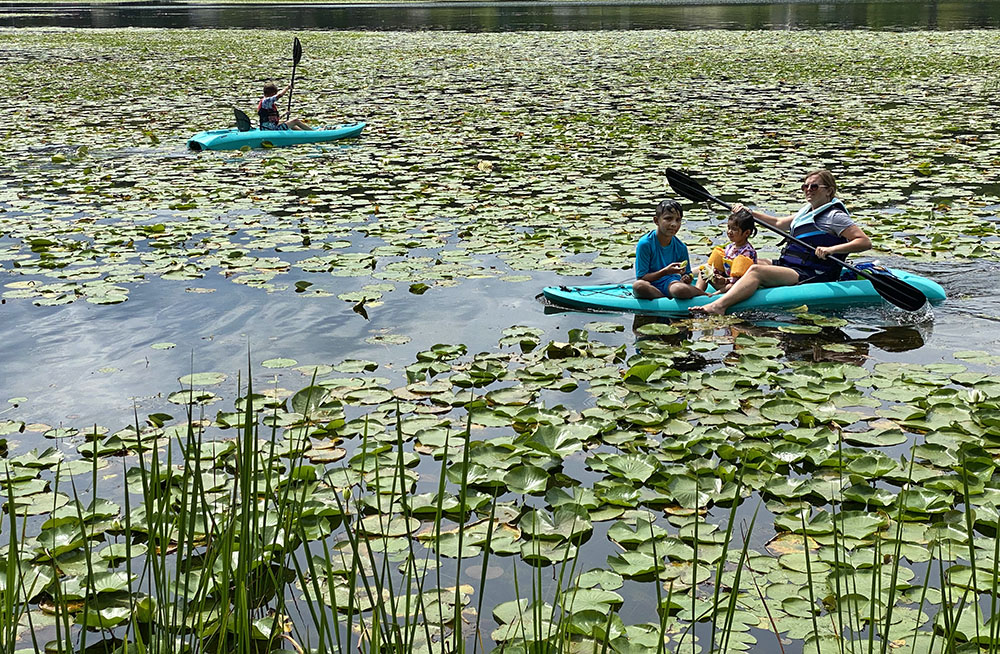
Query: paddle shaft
[
  {"x": 903, "y": 295},
  {"x": 788, "y": 236},
  {"x": 296, "y": 55}
]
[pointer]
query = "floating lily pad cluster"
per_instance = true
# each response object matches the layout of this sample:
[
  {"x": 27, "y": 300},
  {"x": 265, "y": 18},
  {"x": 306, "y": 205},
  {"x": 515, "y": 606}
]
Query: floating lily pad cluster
[
  {"x": 880, "y": 483},
  {"x": 486, "y": 155}
]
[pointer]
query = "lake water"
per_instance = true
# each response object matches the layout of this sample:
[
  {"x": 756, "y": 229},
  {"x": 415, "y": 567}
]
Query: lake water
[
  {"x": 82, "y": 364},
  {"x": 48, "y": 354},
  {"x": 518, "y": 16}
]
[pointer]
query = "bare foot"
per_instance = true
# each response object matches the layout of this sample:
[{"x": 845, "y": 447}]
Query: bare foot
[{"x": 711, "y": 308}]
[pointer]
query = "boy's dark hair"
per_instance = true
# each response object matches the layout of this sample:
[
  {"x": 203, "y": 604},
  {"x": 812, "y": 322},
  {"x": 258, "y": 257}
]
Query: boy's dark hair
[
  {"x": 270, "y": 89},
  {"x": 666, "y": 206},
  {"x": 744, "y": 221}
]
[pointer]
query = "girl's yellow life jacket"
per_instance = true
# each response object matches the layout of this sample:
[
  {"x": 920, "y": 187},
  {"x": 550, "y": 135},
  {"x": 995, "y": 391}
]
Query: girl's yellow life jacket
[{"x": 730, "y": 267}]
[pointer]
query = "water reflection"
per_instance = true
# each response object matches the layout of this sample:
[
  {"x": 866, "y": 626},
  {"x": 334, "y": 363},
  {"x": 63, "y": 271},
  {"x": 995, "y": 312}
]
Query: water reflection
[
  {"x": 503, "y": 17},
  {"x": 900, "y": 339},
  {"x": 829, "y": 344}
]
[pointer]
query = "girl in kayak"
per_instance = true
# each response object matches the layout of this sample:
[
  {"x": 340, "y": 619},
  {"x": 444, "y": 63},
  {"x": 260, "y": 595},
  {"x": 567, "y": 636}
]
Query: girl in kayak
[
  {"x": 270, "y": 117},
  {"x": 729, "y": 264},
  {"x": 661, "y": 259},
  {"x": 823, "y": 223}
]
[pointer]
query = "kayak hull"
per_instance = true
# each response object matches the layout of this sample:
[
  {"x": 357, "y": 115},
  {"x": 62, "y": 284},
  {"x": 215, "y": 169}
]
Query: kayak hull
[
  {"x": 232, "y": 139},
  {"x": 618, "y": 297}
]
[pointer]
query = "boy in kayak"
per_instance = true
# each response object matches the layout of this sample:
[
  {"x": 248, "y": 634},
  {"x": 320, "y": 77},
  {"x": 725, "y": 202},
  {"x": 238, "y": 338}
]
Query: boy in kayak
[
  {"x": 727, "y": 265},
  {"x": 661, "y": 259},
  {"x": 270, "y": 117}
]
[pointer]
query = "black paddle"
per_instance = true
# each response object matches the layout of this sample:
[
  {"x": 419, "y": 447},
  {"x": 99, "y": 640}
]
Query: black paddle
[
  {"x": 894, "y": 290},
  {"x": 296, "y": 57}
]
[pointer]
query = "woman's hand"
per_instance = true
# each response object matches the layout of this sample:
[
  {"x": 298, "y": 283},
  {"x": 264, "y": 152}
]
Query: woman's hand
[{"x": 821, "y": 252}]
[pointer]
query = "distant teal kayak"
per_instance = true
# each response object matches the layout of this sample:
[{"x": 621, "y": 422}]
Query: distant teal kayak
[
  {"x": 618, "y": 297},
  {"x": 233, "y": 139}
]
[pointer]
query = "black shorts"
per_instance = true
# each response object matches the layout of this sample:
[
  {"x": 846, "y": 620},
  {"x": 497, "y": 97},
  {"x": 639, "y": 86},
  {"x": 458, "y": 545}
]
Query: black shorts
[{"x": 811, "y": 275}]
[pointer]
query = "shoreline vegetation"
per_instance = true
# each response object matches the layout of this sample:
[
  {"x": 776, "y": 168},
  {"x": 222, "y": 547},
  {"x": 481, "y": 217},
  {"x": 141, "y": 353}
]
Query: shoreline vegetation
[{"x": 452, "y": 3}]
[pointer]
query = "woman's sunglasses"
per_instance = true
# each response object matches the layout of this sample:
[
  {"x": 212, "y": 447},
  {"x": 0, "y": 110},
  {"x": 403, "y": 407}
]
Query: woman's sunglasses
[{"x": 813, "y": 186}]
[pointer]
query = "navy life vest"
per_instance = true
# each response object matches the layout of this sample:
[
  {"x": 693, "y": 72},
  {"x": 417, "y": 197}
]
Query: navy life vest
[
  {"x": 271, "y": 115},
  {"x": 804, "y": 227}
]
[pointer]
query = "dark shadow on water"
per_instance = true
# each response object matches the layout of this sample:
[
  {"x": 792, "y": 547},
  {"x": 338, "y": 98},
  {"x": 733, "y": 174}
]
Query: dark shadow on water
[{"x": 516, "y": 16}]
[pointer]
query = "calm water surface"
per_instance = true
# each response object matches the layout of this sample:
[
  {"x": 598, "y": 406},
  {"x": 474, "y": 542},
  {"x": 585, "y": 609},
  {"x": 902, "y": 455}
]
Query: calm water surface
[
  {"x": 81, "y": 363},
  {"x": 517, "y": 16}
]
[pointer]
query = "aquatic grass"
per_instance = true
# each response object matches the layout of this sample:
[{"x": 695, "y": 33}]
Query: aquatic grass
[
  {"x": 14, "y": 596},
  {"x": 742, "y": 562},
  {"x": 193, "y": 597},
  {"x": 220, "y": 502},
  {"x": 731, "y": 605},
  {"x": 384, "y": 630},
  {"x": 809, "y": 584}
]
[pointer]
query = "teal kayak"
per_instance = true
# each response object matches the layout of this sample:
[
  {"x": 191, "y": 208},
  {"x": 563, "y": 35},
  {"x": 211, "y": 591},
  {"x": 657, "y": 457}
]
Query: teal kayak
[
  {"x": 233, "y": 139},
  {"x": 618, "y": 297}
]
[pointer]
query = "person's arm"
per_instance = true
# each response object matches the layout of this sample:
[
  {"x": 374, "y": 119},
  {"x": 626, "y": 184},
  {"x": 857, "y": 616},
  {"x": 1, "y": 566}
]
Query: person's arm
[
  {"x": 282, "y": 92},
  {"x": 857, "y": 241},
  {"x": 781, "y": 222},
  {"x": 676, "y": 268}
]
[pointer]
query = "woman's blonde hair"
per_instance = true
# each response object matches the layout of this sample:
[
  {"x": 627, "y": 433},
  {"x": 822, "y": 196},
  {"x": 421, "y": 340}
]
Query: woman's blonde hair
[{"x": 825, "y": 178}]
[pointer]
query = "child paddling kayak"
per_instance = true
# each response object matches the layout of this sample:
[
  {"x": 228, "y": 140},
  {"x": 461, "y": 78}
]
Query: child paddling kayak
[{"x": 270, "y": 117}]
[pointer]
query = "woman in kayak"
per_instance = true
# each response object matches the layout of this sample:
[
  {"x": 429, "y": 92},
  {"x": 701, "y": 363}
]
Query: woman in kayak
[
  {"x": 270, "y": 117},
  {"x": 823, "y": 223}
]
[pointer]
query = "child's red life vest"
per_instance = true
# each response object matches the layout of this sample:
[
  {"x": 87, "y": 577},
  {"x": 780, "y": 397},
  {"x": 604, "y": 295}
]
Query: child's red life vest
[{"x": 269, "y": 115}]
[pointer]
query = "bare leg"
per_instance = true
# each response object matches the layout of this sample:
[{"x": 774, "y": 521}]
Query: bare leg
[
  {"x": 683, "y": 291},
  {"x": 701, "y": 283},
  {"x": 757, "y": 276},
  {"x": 645, "y": 291},
  {"x": 297, "y": 123}
]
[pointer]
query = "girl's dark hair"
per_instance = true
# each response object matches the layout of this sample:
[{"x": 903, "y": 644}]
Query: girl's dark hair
[
  {"x": 270, "y": 89},
  {"x": 669, "y": 205},
  {"x": 744, "y": 221}
]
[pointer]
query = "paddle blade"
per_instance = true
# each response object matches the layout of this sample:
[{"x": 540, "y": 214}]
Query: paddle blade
[
  {"x": 296, "y": 51},
  {"x": 896, "y": 291},
  {"x": 686, "y": 186}
]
